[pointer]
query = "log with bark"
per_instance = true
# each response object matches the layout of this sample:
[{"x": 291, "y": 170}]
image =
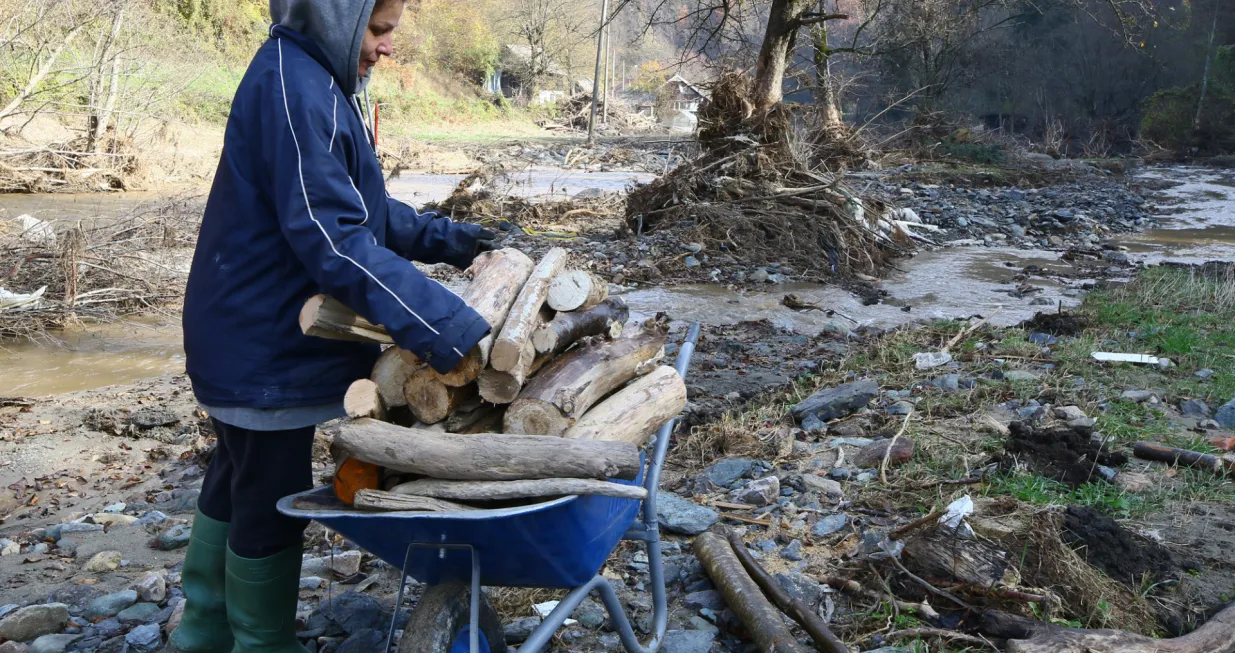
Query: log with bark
[
  {"x": 512, "y": 349},
  {"x": 576, "y": 290},
  {"x": 432, "y": 401},
  {"x": 390, "y": 373},
  {"x": 1188, "y": 458},
  {"x": 936, "y": 553},
  {"x": 502, "y": 490},
  {"x": 566, "y": 388},
  {"x": 363, "y": 399},
  {"x": 485, "y": 457},
  {"x": 743, "y": 597},
  {"x": 1028, "y": 636},
  {"x": 389, "y": 501},
  {"x": 503, "y": 387},
  {"x": 566, "y": 329},
  {"x": 635, "y": 412},
  {"x": 327, "y": 317},
  {"x": 484, "y": 417}
]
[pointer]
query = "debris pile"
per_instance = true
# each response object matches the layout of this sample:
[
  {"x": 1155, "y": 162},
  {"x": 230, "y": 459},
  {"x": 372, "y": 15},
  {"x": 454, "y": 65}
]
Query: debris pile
[
  {"x": 69, "y": 167},
  {"x": 575, "y": 113}
]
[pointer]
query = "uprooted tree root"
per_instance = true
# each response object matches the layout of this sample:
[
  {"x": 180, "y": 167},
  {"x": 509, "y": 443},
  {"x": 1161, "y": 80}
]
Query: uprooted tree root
[
  {"x": 70, "y": 167},
  {"x": 481, "y": 198}
]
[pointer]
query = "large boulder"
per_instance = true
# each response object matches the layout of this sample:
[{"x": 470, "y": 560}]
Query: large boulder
[
  {"x": 837, "y": 402},
  {"x": 34, "y": 621}
]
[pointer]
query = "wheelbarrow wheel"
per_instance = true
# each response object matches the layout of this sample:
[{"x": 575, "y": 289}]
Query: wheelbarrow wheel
[{"x": 442, "y": 613}]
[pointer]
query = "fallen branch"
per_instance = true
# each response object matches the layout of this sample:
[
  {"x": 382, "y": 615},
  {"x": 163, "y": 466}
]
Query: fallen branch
[
  {"x": 501, "y": 490},
  {"x": 1025, "y": 636},
  {"x": 939, "y": 633},
  {"x": 887, "y": 454},
  {"x": 922, "y": 609},
  {"x": 1173, "y": 456}
]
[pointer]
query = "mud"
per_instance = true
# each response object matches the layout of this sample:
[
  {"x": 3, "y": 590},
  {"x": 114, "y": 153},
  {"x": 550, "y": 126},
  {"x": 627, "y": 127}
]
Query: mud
[
  {"x": 1125, "y": 556},
  {"x": 1205, "y": 534},
  {"x": 1057, "y": 324},
  {"x": 1063, "y": 453}
]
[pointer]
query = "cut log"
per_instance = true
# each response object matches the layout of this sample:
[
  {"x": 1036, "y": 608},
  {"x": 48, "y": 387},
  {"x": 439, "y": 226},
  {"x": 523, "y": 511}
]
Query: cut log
[
  {"x": 485, "y": 418},
  {"x": 936, "y": 553},
  {"x": 388, "y": 501},
  {"x": 742, "y": 596},
  {"x": 390, "y": 373},
  {"x": 635, "y": 412},
  {"x": 577, "y": 290},
  {"x": 571, "y": 384},
  {"x": 486, "y": 456},
  {"x": 363, "y": 399},
  {"x": 1174, "y": 456},
  {"x": 502, "y": 490},
  {"x": 354, "y": 475},
  {"x": 512, "y": 349},
  {"x": 431, "y": 400},
  {"x": 327, "y": 317},
  {"x": 1026, "y": 636},
  {"x": 504, "y": 387},
  {"x": 565, "y": 329}
]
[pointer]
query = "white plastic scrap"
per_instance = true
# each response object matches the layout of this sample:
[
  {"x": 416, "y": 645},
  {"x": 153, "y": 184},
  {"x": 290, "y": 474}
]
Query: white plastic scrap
[
  {"x": 36, "y": 231},
  {"x": 543, "y": 610},
  {"x": 928, "y": 359},
  {"x": 1142, "y": 359},
  {"x": 9, "y": 300},
  {"x": 957, "y": 512}
]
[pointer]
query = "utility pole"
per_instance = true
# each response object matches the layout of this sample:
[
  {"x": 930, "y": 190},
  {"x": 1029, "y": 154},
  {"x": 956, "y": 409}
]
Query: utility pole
[
  {"x": 600, "y": 42},
  {"x": 604, "y": 110}
]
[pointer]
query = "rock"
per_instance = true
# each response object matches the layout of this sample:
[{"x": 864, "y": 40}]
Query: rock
[
  {"x": 52, "y": 643},
  {"x": 517, "y": 631},
  {"x": 1083, "y": 423},
  {"x": 107, "y": 519},
  {"x": 852, "y": 442},
  {"x": 1069, "y": 413},
  {"x": 1134, "y": 482},
  {"x": 12, "y": 647},
  {"x": 812, "y": 424},
  {"x": 61, "y": 530},
  {"x": 793, "y": 551},
  {"x": 759, "y": 492},
  {"x": 840, "y": 473},
  {"x": 801, "y": 587},
  {"x": 850, "y": 428},
  {"x": 9, "y": 547},
  {"x": 144, "y": 639},
  {"x": 6, "y": 610},
  {"x": 369, "y": 640},
  {"x": 709, "y": 599},
  {"x": 1225, "y": 417},
  {"x": 152, "y": 586},
  {"x": 312, "y": 583},
  {"x": 872, "y": 456},
  {"x": 346, "y": 563},
  {"x": 25, "y": 624},
  {"x": 138, "y": 613},
  {"x": 148, "y": 418},
  {"x": 900, "y": 408},
  {"x": 684, "y": 517},
  {"x": 1020, "y": 375},
  {"x": 349, "y": 612},
  {"x": 104, "y": 561},
  {"x": 110, "y": 605},
  {"x": 1120, "y": 258},
  {"x": 687, "y": 641},
  {"x": 837, "y": 402},
  {"x": 726, "y": 472},
  {"x": 176, "y": 537},
  {"x": 1141, "y": 396},
  {"x": 590, "y": 614},
  {"x": 691, "y": 262},
  {"x": 1195, "y": 408},
  {"x": 825, "y": 486},
  {"x": 829, "y": 524},
  {"x": 76, "y": 596},
  {"x": 760, "y": 275},
  {"x": 1042, "y": 339},
  {"x": 947, "y": 382},
  {"x": 173, "y": 622},
  {"x": 1204, "y": 373},
  {"x": 68, "y": 547},
  {"x": 115, "y": 507},
  {"x": 150, "y": 518},
  {"x": 701, "y": 624}
]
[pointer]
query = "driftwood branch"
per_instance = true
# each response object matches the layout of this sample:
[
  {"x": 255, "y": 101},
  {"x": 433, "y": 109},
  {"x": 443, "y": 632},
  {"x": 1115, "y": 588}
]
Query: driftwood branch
[
  {"x": 379, "y": 500},
  {"x": 500, "y": 490},
  {"x": 1027, "y": 636},
  {"x": 1173, "y": 456}
]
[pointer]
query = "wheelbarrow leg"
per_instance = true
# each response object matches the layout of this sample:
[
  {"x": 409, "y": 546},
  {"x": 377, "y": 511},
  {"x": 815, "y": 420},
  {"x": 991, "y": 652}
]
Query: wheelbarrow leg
[
  {"x": 474, "y": 600},
  {"x": 473, "y": 630},
  {"x": 394, "y": 618}
]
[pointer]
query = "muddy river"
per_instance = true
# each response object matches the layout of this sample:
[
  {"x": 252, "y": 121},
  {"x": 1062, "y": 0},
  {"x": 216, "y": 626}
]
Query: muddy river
[{"x": 945, "y": 283}]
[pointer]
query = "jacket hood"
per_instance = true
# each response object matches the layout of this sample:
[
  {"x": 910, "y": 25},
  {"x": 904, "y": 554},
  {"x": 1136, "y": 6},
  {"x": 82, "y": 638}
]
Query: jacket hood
[{"x": 336, "y": 26}]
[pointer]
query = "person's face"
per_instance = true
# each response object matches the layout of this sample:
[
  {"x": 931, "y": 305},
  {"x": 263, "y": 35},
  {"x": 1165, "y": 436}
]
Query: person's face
[{"x": 379, "y": 37}]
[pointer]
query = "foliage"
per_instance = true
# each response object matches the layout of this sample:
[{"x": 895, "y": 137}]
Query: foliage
[
  {"x": 983, "y": 154},
  {"x": 1170, "y": 120},
  {"x": 650, "y": 77},
  {"x": 451, "y": 36}
]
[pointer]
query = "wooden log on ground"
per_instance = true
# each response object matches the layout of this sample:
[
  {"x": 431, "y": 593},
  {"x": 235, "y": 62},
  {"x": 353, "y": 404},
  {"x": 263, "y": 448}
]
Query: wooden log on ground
[
  {"x": 576, "y": 290},
  {"x": 635, "y": 412},
  {"x": 566, "y": 329},
  {"x": 743, "y": 597},
  {"x": 432, "y": 401},
  {"x": 512, "y": 349},
  {"x": 388, "y": 501},
  {"x": 572, "y": 383},
  {"x": 327, "y": 317},
  {"x": 810, "y": 622},
  {"x": 364, "y": 400},
  {"x": 485, "y": 456},
  {"x": 1185, "y": 457},
  {"x": 502, "y": 490},
  {"x": 390, "y": 373},
  {"x": 935, "y": 553},
  {"x": 1027, "y": 636}
]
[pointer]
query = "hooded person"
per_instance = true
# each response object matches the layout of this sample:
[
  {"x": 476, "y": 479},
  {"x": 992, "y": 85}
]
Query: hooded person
[{"x": 298, "y": 207}]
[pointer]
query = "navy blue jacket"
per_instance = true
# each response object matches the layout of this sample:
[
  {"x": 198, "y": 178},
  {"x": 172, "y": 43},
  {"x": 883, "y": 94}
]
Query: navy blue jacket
[{"x": 299, "y": 207}]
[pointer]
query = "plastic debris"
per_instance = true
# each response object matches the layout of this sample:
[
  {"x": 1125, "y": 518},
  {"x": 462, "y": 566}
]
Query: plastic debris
[
  {"x": 543, "y": 610},
  {"x": 929, "y": 359},
  {"x": 956, "y": 512},
  {"x": 36, "y": 231},
  {"x": 1139, "y": 359},
  {"x": 10, "y": 300}
]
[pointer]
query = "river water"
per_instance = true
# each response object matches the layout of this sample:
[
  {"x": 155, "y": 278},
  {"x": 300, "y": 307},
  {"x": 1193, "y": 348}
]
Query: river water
[{"x": 944, "y": 283}]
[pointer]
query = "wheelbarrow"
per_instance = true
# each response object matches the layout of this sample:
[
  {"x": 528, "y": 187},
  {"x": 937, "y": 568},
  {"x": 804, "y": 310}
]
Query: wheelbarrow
[{"x": 560, "y": 543}]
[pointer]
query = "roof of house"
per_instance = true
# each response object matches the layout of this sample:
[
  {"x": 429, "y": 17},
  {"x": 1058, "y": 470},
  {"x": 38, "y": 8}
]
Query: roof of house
[
  {"x": 678, "y": 78},
  {"x": 520, "y": 53}
]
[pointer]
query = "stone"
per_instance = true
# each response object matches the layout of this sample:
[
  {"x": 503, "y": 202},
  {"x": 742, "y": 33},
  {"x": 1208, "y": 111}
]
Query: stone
[
  {"x": 872, "y": 456},
  {"x": 6, "y": 610},
  {"x": 851, "y": 442},
  {"x": 1083, "y": 423},
  {"x": 40, "y": 548},
  {"x": 76, "y": 596},
  {"x": 312, "y": 583},
  {"x": 144, "y": 639},
  {"x": 684, "y": 517},
  {"x": 9, "y": 547},
  {"x": 110, "y": 605},
  {"x": 76, "y": 527},
  {"x": 837, "y": 402},
  {"x": 687, "y": 641},
  {"x": 760, "y": 275},
  {"x": 52, "y": 643},
  {"x": 900, "y": 408},
  {"x": 825, "y": 486},
  {"x": 590, "y": 614},
  {"x": 152, "y": 586},
  {"x": 12, "y": 647},
  {"x": 150, "y": 518},
  {"x": 801, "y": 587},
  {"x": 1204, "y": 373},
  {"x": 1134, "y": 482},
  {"x": 759, "y": 492},
  {"x": 173, "y": 622},
  {"x": 1020, "y": 376},
  {"x": 947, "y": 382},
  {"x": 709, "y": 599},
  {"x": 1043, "y": 339},
  {"x": 68, "y": 547},
  {"x": 793, "y": 551},
  {"x": 349, "y": 612},
  {"x": 812, "y": 424},
  {"x": 849, "y": 428},
  {"x": 368, "y": 640},
  {"x": 726, "y": 472},
  {"x": 516, "y": 632},
  {"x": 345, "y": 563},
  {"x": 115, "y": 507},
  {"x": 176, "y": 537},
  {"x": 699, "y": 623},
  {"x": 1141, "y": 396},
  {"x": 32, "y": 621},
  {"x": 138, "y": 613},
  {"x": 1195, "y": 408},
  {"x": 1225, "y": 417},
  {"x": 109, "y": 519},
  {"x": 1069, "y": 413},
  {"x": 691, "y": 262},
  {"x": 148, "y": 418},
  {"x": 104, "y": 561},
  {"x": 829, "y": 524},
  {"x": 840, "y": 473}
]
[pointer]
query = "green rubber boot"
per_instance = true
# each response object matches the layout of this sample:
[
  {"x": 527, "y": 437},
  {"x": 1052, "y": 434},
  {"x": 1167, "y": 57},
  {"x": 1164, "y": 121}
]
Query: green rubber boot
[
  {"x": 261, "y": 602},
  {"x": 203, "y": 627}
]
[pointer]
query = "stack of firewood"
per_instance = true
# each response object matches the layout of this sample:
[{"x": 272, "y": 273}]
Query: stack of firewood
[{"x": 558, "y": 398}]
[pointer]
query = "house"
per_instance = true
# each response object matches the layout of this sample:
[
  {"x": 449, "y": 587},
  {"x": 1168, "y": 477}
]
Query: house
[
  {"x": 685, "y": 96},
  {"x": 513, "y": 76}
]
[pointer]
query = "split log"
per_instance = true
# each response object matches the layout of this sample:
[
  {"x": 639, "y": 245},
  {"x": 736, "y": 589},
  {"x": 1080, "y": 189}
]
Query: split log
[
  {"x": 635, "y": 412},
  {"x": 352, "y": 476},
  {"x": 502, "y": 490},
  {"x": 577, "y": 290},
  {"x": 485, "y": 456},
  {"x": 512, "y": 349},
  {"x": 390, "y": 373},
  {"x": 571, "y": 384},
  {"x": 1026, "y": 636},
  {"x": 935, "y": 553},
  {"x": 743, "y": 597},
  {"x": 565, "y": 329},
  {"x": 327, "y": 317},
  {"x": 1173, "y": 456},
  {"x": 431, "y": 400},
  {"x": 379, "y": 500},
  {"x": 814, "y": 626},
  {"x": 503, "y": 387},
  {"x": 484, "y": 418},
  {"x": 364, "y": 400}
]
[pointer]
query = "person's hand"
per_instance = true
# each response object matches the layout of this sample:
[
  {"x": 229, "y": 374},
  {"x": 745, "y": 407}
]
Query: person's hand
[{"x": 486, "y": 241}]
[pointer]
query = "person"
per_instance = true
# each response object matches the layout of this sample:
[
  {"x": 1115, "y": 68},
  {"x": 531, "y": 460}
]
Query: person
[{"x": 298, "y": 207}]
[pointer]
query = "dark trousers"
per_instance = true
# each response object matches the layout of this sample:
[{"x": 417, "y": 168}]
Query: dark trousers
[{"x": 250, "y": 472}]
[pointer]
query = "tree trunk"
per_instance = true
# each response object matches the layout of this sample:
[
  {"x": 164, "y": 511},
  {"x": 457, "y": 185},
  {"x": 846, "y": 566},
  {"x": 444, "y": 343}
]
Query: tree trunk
[
  {"x": 742, "y": 596},
  {"x": 485, "y": 456},
  {"x": 567, "y": 328},
  {"x": 512, "y": 349},
  {"x": 352, "y": 475},
  {"x": 635, "y": 412},
  {"x": 364, "y": 399},
  {"x": 503, "y": 490},
  {"x": 32, "y": 86},
  {"x": 829, "y": 105},
  {"x": 390, "y": 373},
  {"x": 432, "y": 401},
  {"x": 101, "y": 108},
  {"x": 388, "y": 501},
  {"x": 784, "y": 18},
  {"x": 562, "y": 392},
  {"x": 1200, "y": 103},
  {"x": 326, "y": 317},
  {"x": 577, "y": 290}
]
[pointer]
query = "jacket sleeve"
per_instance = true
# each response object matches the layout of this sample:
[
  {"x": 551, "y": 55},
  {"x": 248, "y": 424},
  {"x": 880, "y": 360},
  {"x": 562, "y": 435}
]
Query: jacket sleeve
[
  {"x": 429, "y": 237},
  {"x": 322, "y": 216}
]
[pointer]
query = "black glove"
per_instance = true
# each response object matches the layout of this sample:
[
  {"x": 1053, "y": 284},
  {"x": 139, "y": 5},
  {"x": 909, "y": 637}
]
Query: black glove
[{"x": 486, "y": 241}]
